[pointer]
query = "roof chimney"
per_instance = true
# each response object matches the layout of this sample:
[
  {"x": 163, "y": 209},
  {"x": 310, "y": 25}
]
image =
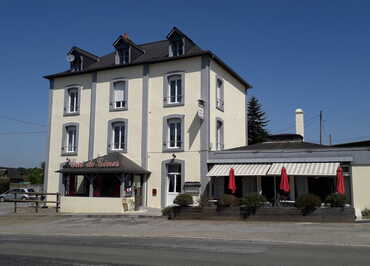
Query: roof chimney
[
  {"x": 125, "y": 35},
  {"x": 299, "y": 122}
]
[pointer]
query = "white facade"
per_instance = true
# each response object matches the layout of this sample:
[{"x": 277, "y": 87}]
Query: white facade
[{"x": 144, "y": 117}]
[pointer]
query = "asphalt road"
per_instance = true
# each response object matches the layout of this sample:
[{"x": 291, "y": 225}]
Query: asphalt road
[{"x": 86, "y": 250}]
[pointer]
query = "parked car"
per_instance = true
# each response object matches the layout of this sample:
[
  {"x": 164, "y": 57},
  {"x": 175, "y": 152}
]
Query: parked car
[{"x": 9, "y": 195}]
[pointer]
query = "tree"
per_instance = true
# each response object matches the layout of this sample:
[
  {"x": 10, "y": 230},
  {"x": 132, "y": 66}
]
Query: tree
[
  {"x": 35, "y": 175},
  {"x": 257, "y": 122}
]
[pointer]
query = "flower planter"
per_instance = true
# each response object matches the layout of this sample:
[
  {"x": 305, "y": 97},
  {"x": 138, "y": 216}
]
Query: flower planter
[
  {"x": 228, "y": 213},
  {"x": 284, "y": 214},
  {"x": 295, "y": 215}
]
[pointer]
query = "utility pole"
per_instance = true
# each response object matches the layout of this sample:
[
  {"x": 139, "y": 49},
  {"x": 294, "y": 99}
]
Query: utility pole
[{"x": 321, "y": 126}]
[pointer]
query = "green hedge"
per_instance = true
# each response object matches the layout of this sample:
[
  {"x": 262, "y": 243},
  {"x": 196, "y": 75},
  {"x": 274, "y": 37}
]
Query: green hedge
[{"x": 308, "y": 203}]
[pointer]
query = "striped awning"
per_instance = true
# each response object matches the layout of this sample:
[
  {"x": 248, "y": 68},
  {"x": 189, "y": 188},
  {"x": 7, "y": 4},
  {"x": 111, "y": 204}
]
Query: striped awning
[
  {"x": 305, "y": 169},
  {"x": 240, "y": 169}
]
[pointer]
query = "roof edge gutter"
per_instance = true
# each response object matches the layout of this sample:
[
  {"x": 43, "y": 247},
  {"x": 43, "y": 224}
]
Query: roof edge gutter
[{"x": 283, "y": 160}]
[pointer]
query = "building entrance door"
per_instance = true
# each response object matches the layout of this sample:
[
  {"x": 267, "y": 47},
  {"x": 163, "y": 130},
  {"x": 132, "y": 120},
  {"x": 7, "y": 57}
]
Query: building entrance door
[{"x": 173, "y": 187}]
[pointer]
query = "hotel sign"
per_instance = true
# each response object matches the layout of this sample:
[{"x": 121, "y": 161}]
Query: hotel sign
[{"x": 93, "y": 164}]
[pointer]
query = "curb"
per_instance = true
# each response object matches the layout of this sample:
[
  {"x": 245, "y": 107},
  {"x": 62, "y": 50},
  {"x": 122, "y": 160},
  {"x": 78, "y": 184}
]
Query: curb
[
  {"x": 363, "y": 221},
  {"x": 118, "y": 216}
]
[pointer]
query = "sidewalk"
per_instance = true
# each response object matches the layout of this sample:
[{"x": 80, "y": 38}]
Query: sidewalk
[{"x": 51, "y": 211}]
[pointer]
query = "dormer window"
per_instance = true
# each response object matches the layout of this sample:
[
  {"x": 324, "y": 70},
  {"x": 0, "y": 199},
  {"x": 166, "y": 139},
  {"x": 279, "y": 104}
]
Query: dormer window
[
  {"x": 80, "y": 59},
  {"x": 124, "y": 56},
  {"x": 177, "y": 48},
  {"x": 77, "y": 64},
  {"x": 126, "y": 51}
]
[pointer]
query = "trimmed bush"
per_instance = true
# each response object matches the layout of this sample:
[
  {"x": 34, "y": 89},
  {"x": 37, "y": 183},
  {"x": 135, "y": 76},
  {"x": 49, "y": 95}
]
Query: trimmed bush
[
  {"x": 253, "y": 201},
  {"x": 228, "y": 200},
  {"x": 167, "y": 211},
  {"x": 183, "y": 200},
  {"x": 365, "y": 212},
  {"x": 308, "y": 203},
  {"x": 336, "y": 200}
]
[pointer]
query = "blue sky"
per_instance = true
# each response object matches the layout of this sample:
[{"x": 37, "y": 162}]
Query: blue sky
[{"x": 313, "y": 55}]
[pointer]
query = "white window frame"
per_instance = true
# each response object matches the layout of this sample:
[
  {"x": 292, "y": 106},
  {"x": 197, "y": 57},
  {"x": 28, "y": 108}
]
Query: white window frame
[
  {"x": 71, "y": 134},
  {"x": 70, "y": 139},
  {"x": 73, "y": 100},
  {"x": 177, "y": 133},
  {"x": 220, "y": 93},
  {"x": 121, "y": 138},
  {"x": 119, "y": 104},
  {"x": 113, "y": 107},
  {"x": 176, "y": 178},
  {"x": 177, "y": 97},
  {"x": 219, "y": 134},
  {"x": 70, "y": 100},
  {"x": 123, "y": 135}
]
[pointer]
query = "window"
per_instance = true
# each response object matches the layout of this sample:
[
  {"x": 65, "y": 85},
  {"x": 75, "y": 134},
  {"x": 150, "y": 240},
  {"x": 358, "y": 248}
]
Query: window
[
  {"x": 72, "y": 96},
  {"x": 118, "y": 95},
  {"x": 173, "y": 133},
  {"x": 70, "y": 139},
  {"x": 219, "y": 135},
  {"x": 117, "y": 135},
  {"x": 174, "y": 90},
  {"x": 77, "y": 63},
  {"x": 177, "y": 48},
  {"x": 124, "y": 56},
  {"x": 174, "y": 178},
  {"x": 72, "y": 100},
  {"x": 219, "y": 94},
  {"x": 119, "y": 89},
  {"x": 118, "y": 138}
]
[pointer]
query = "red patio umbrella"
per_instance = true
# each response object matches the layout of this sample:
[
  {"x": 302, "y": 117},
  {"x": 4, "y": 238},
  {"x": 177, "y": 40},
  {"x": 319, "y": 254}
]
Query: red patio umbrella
[
  {"x": 232, "y": 185},
  {"x": 340, "y": 181},
  {"x": 284, "y": 181}
]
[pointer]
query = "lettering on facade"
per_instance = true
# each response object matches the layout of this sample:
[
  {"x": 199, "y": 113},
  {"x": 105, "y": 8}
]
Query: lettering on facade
[{"x": 92, "y": 164}]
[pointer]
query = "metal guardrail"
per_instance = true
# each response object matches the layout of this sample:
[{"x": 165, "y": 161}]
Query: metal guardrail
[{"x": 39, "y": 199}]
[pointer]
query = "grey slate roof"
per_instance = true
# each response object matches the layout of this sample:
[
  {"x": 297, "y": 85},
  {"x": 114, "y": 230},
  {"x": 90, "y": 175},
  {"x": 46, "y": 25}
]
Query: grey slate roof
[
  {"x": 126, "y": 166},
  {"x": 283, "y": 145},
  {"x": 84, "y": 52},
  {"x": 365, "y": 143},
  {"x": 153, "y": 52}
]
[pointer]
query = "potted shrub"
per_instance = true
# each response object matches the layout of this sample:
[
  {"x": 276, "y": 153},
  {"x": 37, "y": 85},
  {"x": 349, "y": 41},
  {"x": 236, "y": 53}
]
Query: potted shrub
[
  {"x": 365, "y": 213},
  {"x": 184, "y": 200},
  {"x": 228, "y": 200},
  {"x": 181, "y": 201},
  {"x": 336, "y": 200},
  {"x": 228, "y": 207},
  {"x": 308, "y": 203},
  {"x": 251, "y": 203},
  {"x": 168, "y": 211}
]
